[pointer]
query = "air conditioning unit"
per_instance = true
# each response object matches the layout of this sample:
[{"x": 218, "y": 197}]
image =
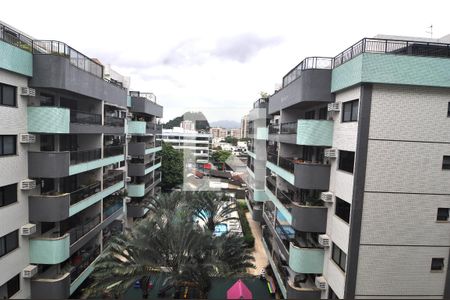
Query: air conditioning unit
[
  {"x": 26, "y": 91},
  {"x": 334, "y": 107},
  {"x": 127, "y": 199},
  {"x": 29, "y": 271},
  {"x": 321, "y": 283},
  {"x": 324, "y": 240},
  {"x": 128, "y": 157},
  {"x": 128, "y": 136},
  {"x": 27, "y": 184},
  {"x": 26, "y": 138},
  {"x": 127, "y": 179},
  {"x": 326, "y": 197},
  {"x": 28, "y": 229},
  {"x": 331, "y": 152}
]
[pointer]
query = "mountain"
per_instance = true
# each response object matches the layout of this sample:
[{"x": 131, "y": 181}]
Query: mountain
[
  {"x": 199, "y": 117},
  {"x": 228, "y": 124}
]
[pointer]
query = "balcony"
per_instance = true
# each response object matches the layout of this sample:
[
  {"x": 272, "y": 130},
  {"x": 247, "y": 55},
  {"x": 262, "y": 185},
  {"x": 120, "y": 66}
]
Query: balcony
[
  {"x": 111, "y": 205},
  {"x": 307, "y": 260},
  {"x": 113, "y": 150},
  {"x": 50, "y": 249},
  {"x": 114, "y": 121},
  {"x": 51, "y": 284},
  {"x": 135, "y": 210},
  {"x": 15, "y": 50},
  {"x": 142, "y": 104},
  {"x": 140, "y": 187},
  {"x": 82, "y": 265},
  {"x": 47, "y": 119},
  {"x": 58, "y": 66},
  {"x": 143, "y": 148},
  {"x": 308, "y": 83},
  {"x": 112, "y": 178},
  {"x": 142, "y": 169},
  {"x": 314, "y": 132},
  {"x": 314, "y": 176},
  {"x": 82, "y": 229}
]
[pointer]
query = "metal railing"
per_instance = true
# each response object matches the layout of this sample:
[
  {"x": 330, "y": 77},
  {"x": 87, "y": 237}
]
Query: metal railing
[
  {"x": 111, "y": 178},
  {"x": 15, "y": 38},
  {"x": 76, "y": 58},
  {"x": 147, "y": 95},
  {"x": 86, "y": 260},
  {"x": 285, "y": 197},
  {"x": 399, "y": 47},
  {"x": 114, "y": 121},
  {"x": 261, "y": 103},
  {"x": 84, "y": 192},
  {"x": 288, "y": 128},
  {"x": 286, "y": 164},
  {"x": 113, "y": 150},
  {"x": 307, "y": 64},
  {"x": 82, "y": 117},
  {"x": 81, "y": 156},
  {"x": 79, "y": 231},
  {"x": 274, "y": 129}
]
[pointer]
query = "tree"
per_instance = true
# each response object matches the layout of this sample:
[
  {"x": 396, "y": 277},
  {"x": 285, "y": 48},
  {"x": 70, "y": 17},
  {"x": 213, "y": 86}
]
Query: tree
[
  {"x": 168, "y": 245},
  {"x": 231, "y": 140},
  {"x": 220, "y": 156},
  {"x": 212, "y": 208},
  {"x": 171, "y": 167},
  {"x": 264, "y": 94}
]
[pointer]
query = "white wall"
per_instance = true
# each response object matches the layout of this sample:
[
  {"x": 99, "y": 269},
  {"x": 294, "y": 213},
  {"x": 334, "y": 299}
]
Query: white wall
[{"x": 13, "y": 169}]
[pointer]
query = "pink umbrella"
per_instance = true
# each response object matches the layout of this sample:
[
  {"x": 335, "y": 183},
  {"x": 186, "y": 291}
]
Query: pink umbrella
[{"x": 239, "y": 291}]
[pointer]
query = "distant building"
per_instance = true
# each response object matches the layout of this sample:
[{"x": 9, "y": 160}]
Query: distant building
[
  {"x": 218, "y": 132},
  {"x": 194, "y": 145},
  {"x": 244, "y": 127},
  {"x": 187, "y": 124},
  {"x": 236, "y": 133}
]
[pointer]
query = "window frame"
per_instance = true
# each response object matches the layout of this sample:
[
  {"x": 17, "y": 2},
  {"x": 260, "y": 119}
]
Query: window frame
[
  {"x": 2, "y": 85},
  {"x": 2, "y": 145},
  {"x": 446, "y": 165},
  {"x": 3, "y": 193},
  {"x": 353, "y": 114},
  {"x": 342, "y": 211},
  {"x": 15, "y": 279},
  {"x": 340, "y": 162},
  {"x": 441, "y": 262},
  {"x": 3, "y": 240},
  {"x": 447, "y": 215},
  {"x": 342, "y": 257}
]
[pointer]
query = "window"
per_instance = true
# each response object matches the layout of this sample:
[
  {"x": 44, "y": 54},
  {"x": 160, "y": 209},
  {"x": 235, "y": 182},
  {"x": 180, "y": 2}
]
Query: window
[
  {"x": 446, "y": 163},
  {"x": 7, "y": 95},
  {"x": 10, "y": 288},
  {"x": 350, "y": 111},
  {"x": 342, "y": 209},
  {"x": 9, "y": 242},
  {"x": 437, "y": 264},
  {"x": 346, "y": 161},
  {"x": 7, "y": 145},
  {"x": 442, "y": 214},
  {"x": 448, "y": 110},
  {"x": 8, "y": 194},
  {"x": 339, "y": 257},
  {"x": 323, "y": 113},
  {"x": 310, "y": 115}
]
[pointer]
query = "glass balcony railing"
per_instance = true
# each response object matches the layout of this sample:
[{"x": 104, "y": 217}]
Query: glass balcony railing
[
  {"x": 286, "y": 164},
  {"x": 271, "y": 184},
  {"x": 111, "y": 205},
  {"x": 82, "y": 117},
  {"x": 111, "y": 178},
  {"x": 109, "y": 151},
  {"x": 288, "y": 128},
  {"x": 82, "y": 260},
  {"x": 84, "y": 192},
  {"x": 114, "y": 121},
  {"x": 81, "y": 156},
  {"x": 274, "y": 129},
  {"x": 307, "y": 64},
  {"x": 77, "y": 232},
  {"x": 272, "y": 157}
]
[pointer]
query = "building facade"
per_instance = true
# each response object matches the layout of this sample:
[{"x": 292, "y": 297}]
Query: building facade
[
  {"x": 63, "y": 141},
  {"x": 244, "y": 125},
  {"x": 357, "y": 161}
]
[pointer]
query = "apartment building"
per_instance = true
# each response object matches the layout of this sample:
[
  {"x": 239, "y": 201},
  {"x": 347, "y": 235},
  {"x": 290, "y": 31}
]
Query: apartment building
[
  {"x": 143, "y": 152},
  {"x": 194, "y": 145},
  {"x": 234, "y": 133},
  {"x": 244, "y": 125},
  {"x": 218, "y": 133},
  {"x": 63, "y": 164},
  {"x": 256, "y": 158},
  {"x": 357, "y": 171}
]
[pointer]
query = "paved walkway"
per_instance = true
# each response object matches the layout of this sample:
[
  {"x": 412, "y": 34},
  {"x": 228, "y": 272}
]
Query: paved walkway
[{"x": 259, "y": 253}]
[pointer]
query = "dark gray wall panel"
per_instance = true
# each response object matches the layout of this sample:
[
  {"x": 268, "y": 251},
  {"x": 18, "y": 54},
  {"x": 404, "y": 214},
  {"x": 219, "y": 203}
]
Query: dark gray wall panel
[
  {"x": 312, "y": 176},
  {"x": 51, "y": 289},
  {"x": 309, "y": 218},
  {"x": 48, "y": 208},
  {"x": 145, "y": 106},
  {"x": 48, "y": 164}
]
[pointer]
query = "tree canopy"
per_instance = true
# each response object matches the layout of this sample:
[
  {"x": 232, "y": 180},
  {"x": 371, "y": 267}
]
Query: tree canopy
[
  {"x": 220, "y": 156},
  {"x": 171, "y": 167}
]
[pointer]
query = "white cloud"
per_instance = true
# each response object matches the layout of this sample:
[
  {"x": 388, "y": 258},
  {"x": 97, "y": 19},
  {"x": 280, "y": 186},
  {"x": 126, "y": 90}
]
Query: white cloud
[{"x": 216, "y": 56}]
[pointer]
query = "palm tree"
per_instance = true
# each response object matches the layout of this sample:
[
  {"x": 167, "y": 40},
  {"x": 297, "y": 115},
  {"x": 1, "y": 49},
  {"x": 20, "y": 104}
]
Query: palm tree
[
  {"x": 170, "y": 246},
  {"x": 212, "y": 208}
]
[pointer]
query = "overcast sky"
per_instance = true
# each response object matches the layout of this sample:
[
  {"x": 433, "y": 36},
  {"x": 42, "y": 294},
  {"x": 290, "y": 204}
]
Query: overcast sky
[{"x": 216, "y": 56}]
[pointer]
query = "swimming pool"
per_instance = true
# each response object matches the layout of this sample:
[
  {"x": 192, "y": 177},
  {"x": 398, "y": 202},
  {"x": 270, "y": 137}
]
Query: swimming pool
[{"x": 220, "y": 229}]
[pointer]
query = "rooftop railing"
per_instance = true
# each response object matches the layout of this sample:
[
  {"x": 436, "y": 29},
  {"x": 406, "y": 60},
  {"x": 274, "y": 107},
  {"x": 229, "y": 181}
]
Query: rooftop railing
[
  {"x": 261, "y": 103},
  {"x": 307, "y": 64},
  {"x": 401, "y": 47},
  {"x": 149, "y": 96},
  {"x": 15, "y": 38}
]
